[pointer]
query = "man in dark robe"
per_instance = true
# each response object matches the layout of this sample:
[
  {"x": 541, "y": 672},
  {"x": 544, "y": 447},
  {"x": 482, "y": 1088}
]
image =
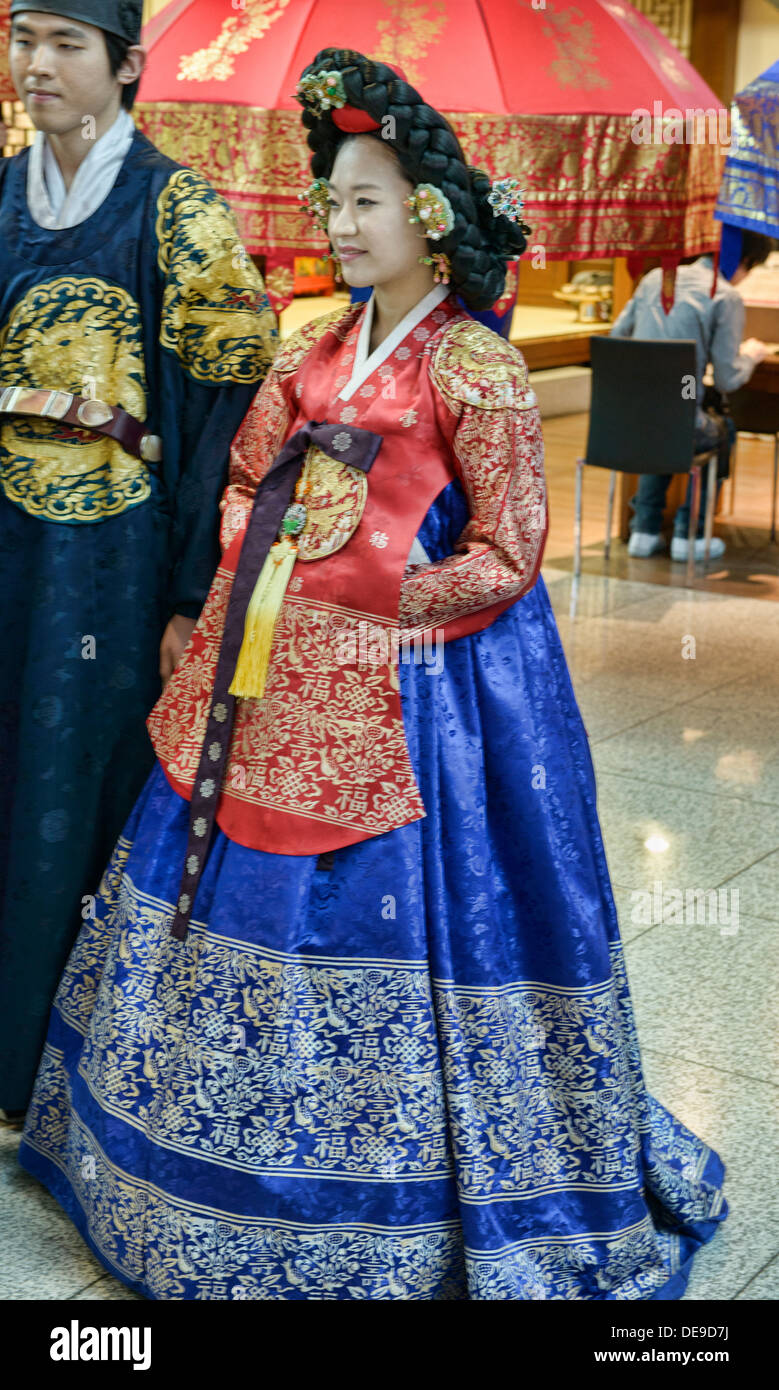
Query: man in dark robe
[{"x": 134, "y": 331}]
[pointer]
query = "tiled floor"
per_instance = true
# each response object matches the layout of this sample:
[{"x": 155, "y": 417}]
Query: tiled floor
[
  {"x": 685, "y": 748},
  {"x": 750, "y": 565}
]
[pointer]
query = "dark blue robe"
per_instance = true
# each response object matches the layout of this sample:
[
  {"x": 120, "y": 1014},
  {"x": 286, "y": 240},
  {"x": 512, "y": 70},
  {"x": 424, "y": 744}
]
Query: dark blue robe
[{"x": 152, "y": 304}]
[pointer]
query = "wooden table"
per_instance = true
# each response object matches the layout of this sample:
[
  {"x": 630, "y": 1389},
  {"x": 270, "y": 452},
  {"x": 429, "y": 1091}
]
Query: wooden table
[{"x": 765, "y": 377}]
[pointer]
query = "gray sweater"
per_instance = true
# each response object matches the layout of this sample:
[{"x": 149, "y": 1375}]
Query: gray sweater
[{"x": 716, "y": 324}]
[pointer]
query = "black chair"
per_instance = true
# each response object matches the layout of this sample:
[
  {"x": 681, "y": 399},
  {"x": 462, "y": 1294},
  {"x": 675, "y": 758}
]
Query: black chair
[
  {"x": 757, "y": 412},
  {"x": 642, "y": 420}
]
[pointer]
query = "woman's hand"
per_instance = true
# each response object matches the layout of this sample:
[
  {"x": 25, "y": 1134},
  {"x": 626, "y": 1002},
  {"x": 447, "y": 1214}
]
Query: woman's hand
[{"x": 174, "y": 640}]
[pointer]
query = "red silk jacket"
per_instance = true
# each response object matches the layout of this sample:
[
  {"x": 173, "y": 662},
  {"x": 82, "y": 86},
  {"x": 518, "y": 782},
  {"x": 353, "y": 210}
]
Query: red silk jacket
[{"x": 321, "y": 760}]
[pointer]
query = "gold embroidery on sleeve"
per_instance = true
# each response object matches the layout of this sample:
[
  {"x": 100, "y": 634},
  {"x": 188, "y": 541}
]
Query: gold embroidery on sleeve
[
  {"x": 291, "y": 353},
  {"x": 475, "y": 366},
  {"x": 215, "y": 316},
  {"x": 500, "y": 453}
]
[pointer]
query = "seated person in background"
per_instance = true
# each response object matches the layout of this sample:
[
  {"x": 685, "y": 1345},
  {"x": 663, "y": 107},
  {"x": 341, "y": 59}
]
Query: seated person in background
[{"x": 716, "y": 323}]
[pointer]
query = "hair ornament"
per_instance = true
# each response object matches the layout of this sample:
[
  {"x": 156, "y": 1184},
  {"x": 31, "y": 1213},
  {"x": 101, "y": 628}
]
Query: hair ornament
[
  {"x": 432, "y": 209},
  {"x": 317, "y": 201},
  {"x": 505, "y": 199},
  {"x": 443, "y": 267},
  {"x": 321, "y": 91}
]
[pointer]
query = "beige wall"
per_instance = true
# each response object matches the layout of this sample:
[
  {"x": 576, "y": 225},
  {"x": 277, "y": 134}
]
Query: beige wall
[{"x": 758, "y": 40}]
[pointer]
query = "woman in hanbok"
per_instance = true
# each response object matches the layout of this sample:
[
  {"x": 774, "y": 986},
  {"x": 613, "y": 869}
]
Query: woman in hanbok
[{"x": 350, "y": 1018}]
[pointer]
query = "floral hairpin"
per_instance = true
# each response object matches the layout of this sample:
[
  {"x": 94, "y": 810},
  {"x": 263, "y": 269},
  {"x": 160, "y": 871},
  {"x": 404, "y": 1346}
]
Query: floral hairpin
[
  {"x": 505, "y": 199},
  {"x": 317, "y": 201},
  {"x": 321, "y": 91},
  {"x": 432, "y": 208}
]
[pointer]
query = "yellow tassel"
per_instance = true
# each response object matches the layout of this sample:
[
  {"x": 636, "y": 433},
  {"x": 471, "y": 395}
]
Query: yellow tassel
[{"x": 253, "y": 659}]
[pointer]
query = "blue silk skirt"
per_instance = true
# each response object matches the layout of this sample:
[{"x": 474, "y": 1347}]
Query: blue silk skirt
[{"x": 414, "y": 1076}]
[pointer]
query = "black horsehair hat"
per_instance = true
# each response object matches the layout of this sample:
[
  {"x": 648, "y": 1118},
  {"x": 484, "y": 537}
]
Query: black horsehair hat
[{"x": 123, "y": 18}]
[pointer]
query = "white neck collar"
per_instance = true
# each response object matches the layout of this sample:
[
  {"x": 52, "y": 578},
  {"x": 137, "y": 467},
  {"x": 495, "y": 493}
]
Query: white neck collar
[
  {"x": 365, "y": 362},
  {"x": 52, "y": 205}
]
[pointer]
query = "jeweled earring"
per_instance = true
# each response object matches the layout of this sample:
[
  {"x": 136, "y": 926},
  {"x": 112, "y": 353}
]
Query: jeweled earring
[
  {"x": 337, "y": 269},
  {"x": 432, "y": 208},
  {"x": 317, "y": 201},
  {"x": 443, "y": 267}
]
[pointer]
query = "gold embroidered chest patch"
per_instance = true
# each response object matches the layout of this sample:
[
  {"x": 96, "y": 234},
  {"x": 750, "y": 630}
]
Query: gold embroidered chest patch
[
  {"x": 85, "y": 336},
  {"x": 335, "y": 501}
]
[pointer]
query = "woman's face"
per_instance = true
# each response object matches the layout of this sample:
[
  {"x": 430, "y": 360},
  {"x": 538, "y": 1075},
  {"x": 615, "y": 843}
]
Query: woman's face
[{"x": 368, "y": 224}]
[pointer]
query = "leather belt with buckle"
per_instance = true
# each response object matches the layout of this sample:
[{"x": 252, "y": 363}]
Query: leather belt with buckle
[{"x": 83, "y": 413}]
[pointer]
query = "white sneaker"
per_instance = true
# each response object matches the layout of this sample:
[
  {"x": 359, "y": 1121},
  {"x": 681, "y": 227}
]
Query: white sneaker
[
  {"x": 643, "y": 544},
  {"x": 680, "y": 548}
]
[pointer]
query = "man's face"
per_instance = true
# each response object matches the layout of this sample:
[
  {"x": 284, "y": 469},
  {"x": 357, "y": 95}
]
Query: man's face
[{"x": 61, "y": 71}]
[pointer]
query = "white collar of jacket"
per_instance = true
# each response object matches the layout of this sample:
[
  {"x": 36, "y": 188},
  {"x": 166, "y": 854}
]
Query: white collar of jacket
[
  {"x": 366, "y": 362},
  {"x": 52, "y": 205}
]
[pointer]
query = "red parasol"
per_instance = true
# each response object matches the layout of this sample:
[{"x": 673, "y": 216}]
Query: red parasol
[
  {"x": 547, "y": 94},
  {"x": 502, "y": 56}
]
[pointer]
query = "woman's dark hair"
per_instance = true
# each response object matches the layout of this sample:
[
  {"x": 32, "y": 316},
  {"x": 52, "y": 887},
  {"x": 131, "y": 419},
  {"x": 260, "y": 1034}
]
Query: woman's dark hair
[
  {"x": 117, "y": 52},
  {"x": 428, "y": 151}
]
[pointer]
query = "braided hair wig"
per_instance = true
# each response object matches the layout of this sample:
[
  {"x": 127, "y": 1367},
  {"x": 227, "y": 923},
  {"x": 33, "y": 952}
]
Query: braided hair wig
[{"x": 428, "y": 151}]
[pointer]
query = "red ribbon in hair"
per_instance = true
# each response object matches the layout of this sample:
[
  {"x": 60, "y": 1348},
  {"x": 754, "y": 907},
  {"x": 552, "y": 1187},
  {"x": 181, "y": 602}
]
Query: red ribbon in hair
[{"x": 356, "y": 122}]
